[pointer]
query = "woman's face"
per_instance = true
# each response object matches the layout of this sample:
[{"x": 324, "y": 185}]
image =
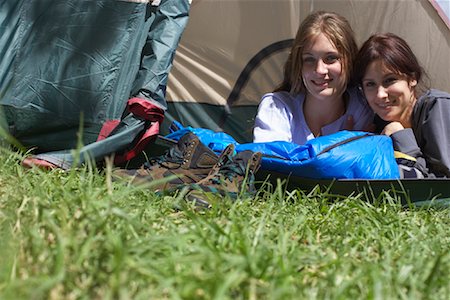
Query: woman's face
[
  {"x": 322, "y": 69},
  {"x": 390, "y": 95}
]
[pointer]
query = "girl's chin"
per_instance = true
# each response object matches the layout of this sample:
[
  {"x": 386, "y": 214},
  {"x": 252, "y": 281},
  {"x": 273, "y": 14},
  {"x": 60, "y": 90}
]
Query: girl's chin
[{"x": 328, "y": 92}]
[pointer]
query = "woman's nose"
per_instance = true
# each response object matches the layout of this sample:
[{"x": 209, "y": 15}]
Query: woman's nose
[{"x": 381, "y": 92}]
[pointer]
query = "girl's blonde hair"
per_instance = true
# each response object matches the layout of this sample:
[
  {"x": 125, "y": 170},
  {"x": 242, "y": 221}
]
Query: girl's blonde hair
[{"x": 337, "y": 29}]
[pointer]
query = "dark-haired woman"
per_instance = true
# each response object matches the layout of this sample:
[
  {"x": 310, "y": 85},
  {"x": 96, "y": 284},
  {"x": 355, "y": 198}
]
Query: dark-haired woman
[{"x": 418, "y": 122}]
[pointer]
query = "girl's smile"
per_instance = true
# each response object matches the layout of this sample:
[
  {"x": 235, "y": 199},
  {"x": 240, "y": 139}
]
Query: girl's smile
[{"x": 322, "y": 69}]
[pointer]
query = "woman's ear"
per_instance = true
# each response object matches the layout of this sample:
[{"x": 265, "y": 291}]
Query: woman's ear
[{"x": 412, "y": 83}]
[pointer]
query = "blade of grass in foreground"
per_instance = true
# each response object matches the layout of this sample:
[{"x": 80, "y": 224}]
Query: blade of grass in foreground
[{"x": 77, "y": 235}]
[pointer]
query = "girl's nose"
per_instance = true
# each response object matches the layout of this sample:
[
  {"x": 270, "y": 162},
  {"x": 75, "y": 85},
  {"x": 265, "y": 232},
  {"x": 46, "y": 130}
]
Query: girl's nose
[{"x": 321, "y": 67}]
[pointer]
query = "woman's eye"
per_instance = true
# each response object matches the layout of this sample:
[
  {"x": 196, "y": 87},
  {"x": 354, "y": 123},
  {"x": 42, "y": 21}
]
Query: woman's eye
[
  {"x": 388, "y": 81},
  {"x": 369, "y": 84},
  {"x": 308, "y": 59}
]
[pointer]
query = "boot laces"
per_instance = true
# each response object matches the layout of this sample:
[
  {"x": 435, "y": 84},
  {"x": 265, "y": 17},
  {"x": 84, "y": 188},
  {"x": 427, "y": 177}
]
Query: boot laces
[
  {"x": 231, "y": 169},
  {"x": 173, "y": 155}
]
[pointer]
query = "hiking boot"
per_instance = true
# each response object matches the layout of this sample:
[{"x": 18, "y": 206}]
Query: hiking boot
[
  {"x": 224, "y": 158},
  {"x": 231, "y": 176},
  {"x": 187, "y": 162}
]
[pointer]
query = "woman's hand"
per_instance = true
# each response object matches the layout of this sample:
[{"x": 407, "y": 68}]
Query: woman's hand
[{"x": 392, "y": 128}]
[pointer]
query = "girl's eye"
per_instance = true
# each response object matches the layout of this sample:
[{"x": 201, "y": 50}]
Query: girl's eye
[{"x": 330, "y": 59}]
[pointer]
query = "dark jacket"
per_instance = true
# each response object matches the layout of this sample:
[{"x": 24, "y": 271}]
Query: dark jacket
[{"x": 429, "y": 138}]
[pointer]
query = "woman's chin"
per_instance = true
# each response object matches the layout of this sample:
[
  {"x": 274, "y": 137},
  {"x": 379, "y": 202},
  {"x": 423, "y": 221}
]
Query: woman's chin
[{"x": 387, "y": 117}]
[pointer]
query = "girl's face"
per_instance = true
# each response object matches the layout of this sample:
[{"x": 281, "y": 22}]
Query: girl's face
[
  {"x": 322, "y": 69},
  {"x": 390, "y": 95}
]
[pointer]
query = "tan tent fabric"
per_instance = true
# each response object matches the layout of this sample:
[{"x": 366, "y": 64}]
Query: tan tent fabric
[{"x": 222, "y": 36}]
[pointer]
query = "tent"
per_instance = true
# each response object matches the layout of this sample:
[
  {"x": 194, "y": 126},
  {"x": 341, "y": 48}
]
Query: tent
[
  {"x": 232, "y": 52},
  {"x": 62, "y": 61},
  {"x": 82, "y": 72}
]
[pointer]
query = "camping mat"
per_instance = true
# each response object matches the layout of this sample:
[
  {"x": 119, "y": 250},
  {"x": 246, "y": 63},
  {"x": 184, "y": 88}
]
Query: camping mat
[{"x": 420, "y": 192}]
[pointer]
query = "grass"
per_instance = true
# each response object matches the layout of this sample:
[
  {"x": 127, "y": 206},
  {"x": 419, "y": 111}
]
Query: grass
[{"x": 76, "y": 235}]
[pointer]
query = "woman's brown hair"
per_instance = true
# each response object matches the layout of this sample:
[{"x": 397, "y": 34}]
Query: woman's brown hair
[{"x": 393, "y": 51}]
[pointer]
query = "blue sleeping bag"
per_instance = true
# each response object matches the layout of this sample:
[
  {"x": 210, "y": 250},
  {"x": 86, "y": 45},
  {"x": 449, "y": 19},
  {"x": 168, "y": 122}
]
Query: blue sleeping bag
[{"x": 342, "y": 155}]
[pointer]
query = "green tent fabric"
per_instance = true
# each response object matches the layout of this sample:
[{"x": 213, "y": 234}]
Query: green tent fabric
[{"x": 66, "y": 61}]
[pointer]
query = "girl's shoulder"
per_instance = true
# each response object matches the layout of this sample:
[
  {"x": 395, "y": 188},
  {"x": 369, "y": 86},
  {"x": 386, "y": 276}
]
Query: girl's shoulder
[
  {"x": 284, "y": 99},
  {"x": 355, "y": 95},
  {"x": 282, "y": 96},
  {"x": 356, "y": 99}
]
